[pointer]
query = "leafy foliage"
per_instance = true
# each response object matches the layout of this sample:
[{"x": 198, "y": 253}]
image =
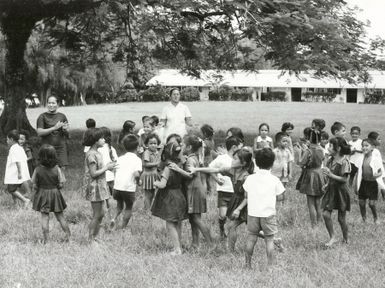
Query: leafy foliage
[{"x": 274, "y": 96}]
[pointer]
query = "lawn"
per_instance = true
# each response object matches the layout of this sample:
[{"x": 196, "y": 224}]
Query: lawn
[{"x": 137, "y": 257}]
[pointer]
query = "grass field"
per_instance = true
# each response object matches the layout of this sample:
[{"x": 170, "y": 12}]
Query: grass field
[{"x": 137, "y": 257}]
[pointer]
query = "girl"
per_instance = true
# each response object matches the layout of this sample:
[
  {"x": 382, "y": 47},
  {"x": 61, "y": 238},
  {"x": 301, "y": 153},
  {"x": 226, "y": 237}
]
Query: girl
[
  {"x": 128, "y": 128},
  {"x": 337, "y": 190},
  {"x": 367, "y": 175},
  {"x": 148, "y": 128},
  {"x": 236, "y": 132},
  {"x": 263, "y": 140},
  {"x": 287, "y": 128},
  {"x": 151, "y": 161},
  {"x": 47, "y": 181},
  {"x": 23, "y": 142},
  {"x": 313, "y": 179},
  {"x": 97, "y": 191},
  {"x": 209, "y": 154},
  {"x": 169, "y": 202},
  {"x": 324, "y": 146}
]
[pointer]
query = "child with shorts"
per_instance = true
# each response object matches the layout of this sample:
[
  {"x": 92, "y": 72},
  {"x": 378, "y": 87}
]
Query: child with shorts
[{"x": 262, "y": 191}]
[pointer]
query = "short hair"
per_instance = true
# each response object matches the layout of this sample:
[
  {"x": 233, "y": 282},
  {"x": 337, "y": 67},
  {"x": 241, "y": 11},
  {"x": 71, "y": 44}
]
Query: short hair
[
  {"x": 14, "y": 135},
  {"x": 236, "y": 132},
  {"x": 232, "y": 141},
  {"x": 90, "y": 123},
  {"x": 355, "y": 128},
  {"x": 194, "y": 142},
  {"x": 177, "y": 137},
  {"x": 207, "y": 130},
  {"x": 152, "y": 136},
  {"x": 130, "y": 142},
  {"x": 324, "y": 135},
  {"x": 287, "y": 125},
  {"x": 172, "y": 90},
  {"x": 370, "y": 141},
  {"x": 306, "y": 133},
  {"x": 278, "y": 137},
  {"x": 374, "y": 135},
  {"x": 264, "y": 124},
  {"x": 337, "y": 126},
  {"x": 264, "y": 158},
  {"x": 145, "y": 117},
  {"x": 155, "y": 119},
  {"x": 340, "y": 142},
  {"x": 319, "y": 123},
  {"x": 91, "y": 136},
  {"x": 53, "y": 96},
  {"x": 47, "y": 156},
  {"x": 171, "y": 152},
  {"x": 25, "y": 133}
]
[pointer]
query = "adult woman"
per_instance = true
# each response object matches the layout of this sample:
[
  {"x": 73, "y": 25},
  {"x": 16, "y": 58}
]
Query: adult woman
[
  {"x": 175, "y": 116},
  {"x": 52, "y": 127}
]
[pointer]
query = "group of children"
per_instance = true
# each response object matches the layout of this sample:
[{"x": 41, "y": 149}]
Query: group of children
[{"x": 175, "y": 175}]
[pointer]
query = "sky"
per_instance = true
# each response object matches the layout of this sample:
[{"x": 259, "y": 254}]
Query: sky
[{"x": 372, "y": 10}]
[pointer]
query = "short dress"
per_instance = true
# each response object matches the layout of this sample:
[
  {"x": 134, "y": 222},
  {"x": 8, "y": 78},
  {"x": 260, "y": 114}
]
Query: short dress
[
  {"x": 337, "y": 193},
  {"x": 150, "y": 175},
  {"x": 47, "y": 184},
  {"x": 170, "y": 203},
  {"x": 195, "y": 187},
  {"x": 313, "y": 180},
  {"x": 238, "y": 196},
  {"x": 96, "y": 188}
]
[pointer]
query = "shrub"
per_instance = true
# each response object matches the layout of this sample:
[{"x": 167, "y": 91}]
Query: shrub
[
  {"x": 190, "y": 94},
  {"x": 319, "y": 96},
  {"x": 128, "y": 95},
  {"x": 222, "y": 93},
  {"x": 274, "y": 96},
  {"x": 241, "y": 95},
  {"x": 154, "y": 93},
  {"x": 375, "y": 97}
]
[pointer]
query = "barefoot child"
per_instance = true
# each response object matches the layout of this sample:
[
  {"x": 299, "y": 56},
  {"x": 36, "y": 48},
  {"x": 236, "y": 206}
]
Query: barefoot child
[
  {"x": 356, "y": 156},
  {"x": 128, "y": 128},
  {"x": 263, "y": 140},
  {"x": 47, "y": 181}
]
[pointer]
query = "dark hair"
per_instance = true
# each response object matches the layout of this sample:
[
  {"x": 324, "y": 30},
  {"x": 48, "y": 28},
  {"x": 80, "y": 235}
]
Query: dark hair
[
  {"x": 171, "y": 152},
  {"x": 151, "y": 136},
  {"x": 374, "y": 135},
  {"x": 150, "y": 121},
  {"x": 91, "y": 136},
  {"x": 106, "y": 134},
  {"x": 176, "y": 136},
  {"x": 279, "y": 136},
  {"x": 337, "y": 126},
  {"x": 128, "y": 128},
  {"x": 306, "y": 133},
  {"x": 14, "y": 135},
  {"x": 232, "y": 141},
  {"x": 145, "y": 117},
  {"x": 287, "y": 125},
  {"x": 25, "y": 133},
  {"x": 236, "y": 132},
  {"x": 172, "y": 90},
  {"x": 264, "y": 158},
  {"x": 130, "y": 142},
  {"x": 340, "y": 142},
  {"x": 319, "y": 124},
  {"x": 355, "y": 128},
  {"x": 207, "y": 131},
  {"x": 90, "y": 123},
  {"x": 315, "y": 136},
  {"x": 264, "y": 124},
  {"x": 370, "y": 141},
  {"x": 53, "y": 96},
  {"x": 324, "y": 135},
  {"x": 193, "y": 141},
  {"x": 245, "y": 155},
  {"x": 47, "y": 156},
  {"x": 155, "y": 119}
]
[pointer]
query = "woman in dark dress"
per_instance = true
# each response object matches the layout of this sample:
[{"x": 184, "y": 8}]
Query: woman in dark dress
[{"x": 52, "y": 127}]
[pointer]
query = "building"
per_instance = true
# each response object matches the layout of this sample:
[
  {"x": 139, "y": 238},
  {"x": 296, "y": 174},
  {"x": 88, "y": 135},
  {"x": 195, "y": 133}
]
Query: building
[{"x": 297, "y": 88}]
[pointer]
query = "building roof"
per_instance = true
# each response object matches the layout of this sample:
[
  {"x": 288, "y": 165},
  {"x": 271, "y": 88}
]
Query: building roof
[{"x": 262, "y": 78}]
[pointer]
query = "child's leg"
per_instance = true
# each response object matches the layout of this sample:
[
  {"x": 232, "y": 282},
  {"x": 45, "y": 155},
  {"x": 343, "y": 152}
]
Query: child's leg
[
  {"x": 250, "y": 244},
  {"x": 13, "y": 189},
  {"x": 194, "y": 231},
  {"x": 317, "y": 200},
  {"x": 148, "y": 196},
  {"x": 311, "y": 205},
  {"x": 344, "y": 226},
  {"x": 222, "y": 210},
  {"x": 26, "y": 185},
  {"x": 232, "y": 236},
  {"x": 98, "y": 214},
  {"x": 129, "y": 201},
  {"x": 269, "y": 241},
  {"x": 329, "y": 226},
  {"x": 45, "y": 226},
  {"x": 179, "y": 230},
  {"x": 63, "y": 223},
  {"x": 362, "y": 203},
  {"x": 173, "y": 231},
  {"x": 119, "y": 209},
  {"x": 372, "y": 206},
  {"x": 197, "y": 220}
]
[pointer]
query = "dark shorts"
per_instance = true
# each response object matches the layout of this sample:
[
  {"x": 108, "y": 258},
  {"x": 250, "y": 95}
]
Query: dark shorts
[
  {"x": 127, "y": 197},
  {"x": 368, "y": 190},
  {"x": 224, "y": 198},
  {"x": 11, "y": 188},
  {"x": 268, "y": 225}
]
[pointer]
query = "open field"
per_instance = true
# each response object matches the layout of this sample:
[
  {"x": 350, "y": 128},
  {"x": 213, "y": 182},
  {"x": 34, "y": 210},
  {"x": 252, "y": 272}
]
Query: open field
[{"x": 137, "y": 257}]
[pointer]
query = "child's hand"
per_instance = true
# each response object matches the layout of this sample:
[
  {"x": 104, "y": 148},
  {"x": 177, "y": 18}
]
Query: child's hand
[
  {"x": 221, "y": 150},
  {"x": 235, "y": 214},
  {"x": 220, "y": 181},
  {"x": 156, "y": 184},
  {"x": 140, "y": 150},
  {"x": 173, "y": 166},
  {"x": 111, "y": 166},
  {"x": 193, "y": 170},
  {"x": 326, "y": 171},
  {"x": 18, "y": 175}
]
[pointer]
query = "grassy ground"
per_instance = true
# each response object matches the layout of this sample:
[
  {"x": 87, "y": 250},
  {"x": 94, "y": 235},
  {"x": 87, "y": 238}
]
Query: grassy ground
[{"x": 137, "y": 257}]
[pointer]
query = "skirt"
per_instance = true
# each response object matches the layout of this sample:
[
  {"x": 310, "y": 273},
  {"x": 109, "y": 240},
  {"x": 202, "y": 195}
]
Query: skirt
[
  {"x": 336, "y": 197},
  {"x": 312, "y": 182},
  {"x": 49, "y": 200},
  {"x": 169, "y": 205},
  {"x": 196, "y": 196},
  {"x": 148, "y": 178}
]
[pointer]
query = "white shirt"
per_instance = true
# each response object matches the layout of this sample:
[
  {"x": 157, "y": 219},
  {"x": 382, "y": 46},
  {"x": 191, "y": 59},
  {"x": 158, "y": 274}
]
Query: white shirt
[
  {"x": 128, "y": 164},
  {"x": 223, "y": 161},
  {"x": 356, "y": 158},
  {"x": 16, "y": 154},
  {"x": 262, "y": 189},
  {"x": 107, "y": 159},
  {"x": 175, "y": 119}
]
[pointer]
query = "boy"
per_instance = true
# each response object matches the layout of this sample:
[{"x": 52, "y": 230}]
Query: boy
[
  {"x": 127, "y": 175},
  {"x": 356, "y": 156},
  {"x": 224, "y": 184},
  {"x": 262, "y": 191},
  {"x": 16, "y": 171},
  {"x": 338, "y": 129}
]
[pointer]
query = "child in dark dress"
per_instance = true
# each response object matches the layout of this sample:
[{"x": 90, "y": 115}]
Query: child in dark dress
[
  {"x": 47, "y": 181},
  {"x": 337, "y": 190}
]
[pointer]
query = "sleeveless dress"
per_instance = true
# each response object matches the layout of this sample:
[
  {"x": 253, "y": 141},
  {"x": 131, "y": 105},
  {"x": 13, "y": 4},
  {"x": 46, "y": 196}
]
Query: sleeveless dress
[
  {"x": 169, "y": 203},
  {"x": 238, "y": 196},
  {"x": 48, "y": 197}
]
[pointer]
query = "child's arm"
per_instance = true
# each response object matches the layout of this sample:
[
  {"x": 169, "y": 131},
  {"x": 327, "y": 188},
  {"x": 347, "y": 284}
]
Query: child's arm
[
  {"x": 18, "y": 165},
  {"x": 342, "y": 179},
  {"x": 182, "y": 172},
  {"x": 290, "y": 167},
  {"x": 96, "y": 173},
  {"x": 148, "y": 164},
  {"x": 163, "y": 181},
  {"x": 238, "y": 210}
]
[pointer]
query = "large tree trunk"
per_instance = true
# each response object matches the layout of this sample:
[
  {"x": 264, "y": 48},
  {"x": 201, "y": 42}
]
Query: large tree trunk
[{"x": 17, "y": 31}]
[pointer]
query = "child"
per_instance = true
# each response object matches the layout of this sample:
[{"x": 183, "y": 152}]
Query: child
[
  {"x": 16, "y": 170},
  {"x": 262, "y": 191},
  {"x": 157, "y": 129},
  {"x": 356, "y": 155},
  {"x": 236, "y": 132},
  {"x": 23, "y": 142},
  {"x": 127, "y": 175},
  {"x": 367, "y": 175},
  {"x": 337, "y": 190},
  {"x": 376, "y": 153},
  {"x": 313, "y": 179},
  {"x": 151, "y": 161},
  {"x": 97, "y": 191},
  {"x": 325, "y": 145},
  {"x": 144, "y": 120},
  {"x": 169, "y": 202},
  {"x": 287, "y": 129},
  {"x": 148, "y": 127},
  {"x": 208, "y": 154},
  {"x": 90, "y": 124},
  {"x": 263, "y": 140},
  {"x": 47, "y": 181},
  {"x": 338, "y": 129},
  {"x": 318, "y": 124},
  {"x": 128, "y": 128}
]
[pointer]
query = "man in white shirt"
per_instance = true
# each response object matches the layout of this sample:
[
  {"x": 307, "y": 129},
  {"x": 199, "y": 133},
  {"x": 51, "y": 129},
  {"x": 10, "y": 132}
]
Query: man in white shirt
[{"x": 263, "y": 190}]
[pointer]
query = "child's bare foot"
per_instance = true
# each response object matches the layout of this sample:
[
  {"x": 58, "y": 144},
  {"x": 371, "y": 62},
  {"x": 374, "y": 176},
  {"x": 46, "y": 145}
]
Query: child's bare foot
[
  {"x": 376, "y": 222},
  {"x": 176, "y": 252},
  {"x": 331, "y": 242},
  {"x": 27, "y": 204}
]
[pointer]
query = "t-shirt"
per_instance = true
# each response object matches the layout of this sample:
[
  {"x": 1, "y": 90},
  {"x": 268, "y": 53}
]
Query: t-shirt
[
  {"x": 16, "y": 154},
  {"x": 107, "y": 159},
  {"x": 175, "y": 119},
  {"x": 128, "y": 164},
  {"x": 262, "y": 189},
  {"x": 281, "y": 163},
  {"x": 223, "y": 161},
  {"x": 356, "y": 158}
]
